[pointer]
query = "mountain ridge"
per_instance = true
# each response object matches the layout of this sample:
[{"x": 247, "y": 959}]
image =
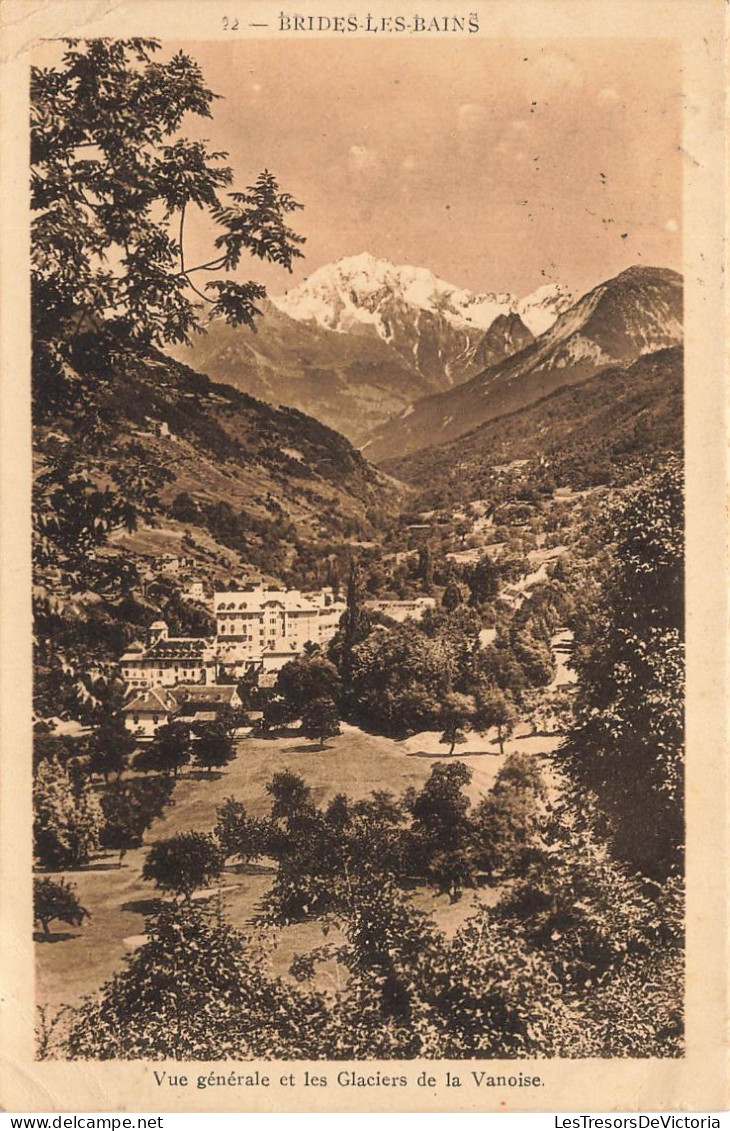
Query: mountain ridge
[
  {"x": 374, "y": 339},
  {"x": 349, "y": 292},
  {"x": 634, "y": 313},
  {"x": 199, "y": 458}
]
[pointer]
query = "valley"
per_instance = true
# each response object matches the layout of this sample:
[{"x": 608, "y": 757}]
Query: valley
[{"x": 358, "y": 611}]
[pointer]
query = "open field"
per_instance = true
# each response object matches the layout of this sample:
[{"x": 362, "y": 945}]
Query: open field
[{"x": 78, "y": 961}]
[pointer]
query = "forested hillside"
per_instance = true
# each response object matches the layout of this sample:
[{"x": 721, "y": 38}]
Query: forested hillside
[
  {"x": 606, "y": 430},
  {"x": 638, "y": 312}
]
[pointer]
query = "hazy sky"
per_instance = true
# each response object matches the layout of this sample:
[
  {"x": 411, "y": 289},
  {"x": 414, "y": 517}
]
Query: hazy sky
[{"x": 498, "y": 165}]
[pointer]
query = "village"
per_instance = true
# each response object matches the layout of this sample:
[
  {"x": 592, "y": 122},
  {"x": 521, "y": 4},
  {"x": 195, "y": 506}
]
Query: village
[{"x": 258, "y": 630}]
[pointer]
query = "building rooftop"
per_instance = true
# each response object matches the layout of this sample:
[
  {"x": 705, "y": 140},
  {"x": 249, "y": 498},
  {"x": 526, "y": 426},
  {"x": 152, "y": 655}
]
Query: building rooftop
[
  {"x": 155, "y": 699},
  {"x": 209, "y": 693},
  {"x": 184, "y": 647}
]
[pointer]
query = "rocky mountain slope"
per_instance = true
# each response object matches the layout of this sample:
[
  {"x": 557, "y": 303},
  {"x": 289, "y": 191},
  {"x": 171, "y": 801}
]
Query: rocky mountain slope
[
  {"x": 206, "y": 467},
  {"x": 352, "y": 382},
  {"x": 361, "y": 339},
  {"x": 507, "y": 335},
  {"x": 638, "y": 312}
]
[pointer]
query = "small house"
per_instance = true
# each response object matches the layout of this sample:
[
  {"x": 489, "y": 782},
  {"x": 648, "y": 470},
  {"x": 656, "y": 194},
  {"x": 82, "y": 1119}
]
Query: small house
[{"x": 149, "y": 710}]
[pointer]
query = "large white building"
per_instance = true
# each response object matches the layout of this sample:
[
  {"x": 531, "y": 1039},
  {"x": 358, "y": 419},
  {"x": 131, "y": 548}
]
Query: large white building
[
  {"x": 256, "y": 628},
  {"x": 254, "y": 623},
  {"x": 166, "y": 661}
]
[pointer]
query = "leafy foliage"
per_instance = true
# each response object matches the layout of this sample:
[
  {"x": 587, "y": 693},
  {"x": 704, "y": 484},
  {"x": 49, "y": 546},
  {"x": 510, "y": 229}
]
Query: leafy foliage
[
  {"x": 321, "y": 719},
  {"x": 67, "y": 818},
  {"x": 457, "y": 715},
  {"x": 626, "y": 746},
  {"x": 302, "y": 682},
  {"x": 129, "y": 809},
  {"x": 195, "y": 991},
  {"x": 111, "y": 184},
  {"x": 400, "y": 677},
  {"x": 73, "y": 518},
  {"x": 212, "y": 747},
  {"x": 183, "y": 863},
  {"x": 170, "y": 749},
  {"x": 56, "y": 899},
  {"x": 240, "y": 836},
  {"x": 578, "y": 958},
  {"x": 111, "y": 748},
  {"x": 510, "y": 821}
]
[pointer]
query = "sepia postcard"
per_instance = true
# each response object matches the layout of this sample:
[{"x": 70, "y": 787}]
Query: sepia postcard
[{"x": 363, "y": 563}]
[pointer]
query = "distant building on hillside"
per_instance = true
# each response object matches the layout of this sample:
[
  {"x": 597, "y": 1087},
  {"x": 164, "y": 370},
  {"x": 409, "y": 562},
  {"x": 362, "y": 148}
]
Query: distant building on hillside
[{"x": 173, "y": 565}]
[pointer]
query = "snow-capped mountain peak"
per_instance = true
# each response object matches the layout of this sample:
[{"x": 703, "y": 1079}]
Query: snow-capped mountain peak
[
  {"x": 540, "y": 309},
  {"x": 446, "y": 332},
  {"x": 362, "y": 290}
]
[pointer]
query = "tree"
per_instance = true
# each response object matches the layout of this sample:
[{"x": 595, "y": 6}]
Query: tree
[
  {"x": 495, "y": 709},
  {"x": 582, "y": 908},
  {"x": 626, "y": 745},
  {"x": 183, "y": 863},
  {"x": 302, "y": 680},
  {"x": 483, "y": 582},
  {"x": 129, "y": 809},
  {"x": 510, "y": 821},
  {"x": 185, "y": 509},
  {"x": 399, "y": 678},
  {"x": 441, "y": 830},
  {"x": 239, "y": 835},
  {"x": 440, "y": 808},
  {"x": 111, "y": 747},
  {"x": 457, "y": 715},
  {"x": 292, "y": 798},
  {"x": 535, "y": 657},
  {"x": 277, "y": 713},
  {"x": 232, "y": 719},
  {"x": 112, "y": 186},
  {"x": 56, "y": 899},
  {"x": 212, "y": 748},
  {"x": 452, "y": 596},
  {"x": 425, "y": 567},
  {"x": 67, "y": 818},
  {"x": 332, "y": 577},
  {"x": 171, "y": 747},
  {"x": 411, "y": 992},
  {"x": 321, "y": 719},
  {"x": 354, "y": 624},
  {"x": 308, "y": 854}
]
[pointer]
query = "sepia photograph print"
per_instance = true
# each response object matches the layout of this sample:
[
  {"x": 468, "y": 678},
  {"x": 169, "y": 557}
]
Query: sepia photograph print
[{"x": 358, "y": 400}]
